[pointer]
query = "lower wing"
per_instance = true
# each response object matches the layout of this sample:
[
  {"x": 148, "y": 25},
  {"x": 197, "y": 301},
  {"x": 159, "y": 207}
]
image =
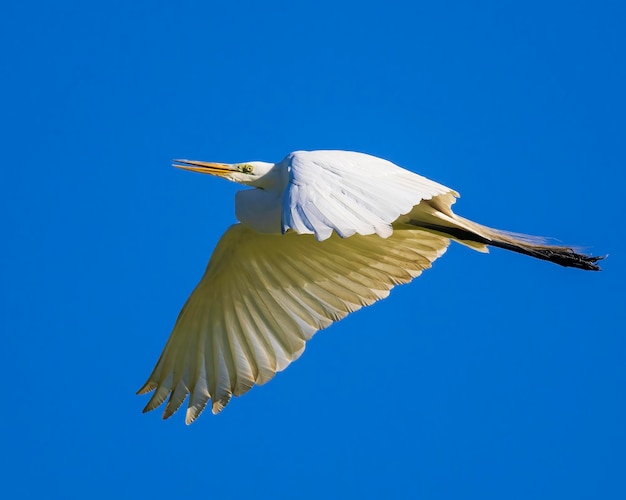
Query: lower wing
[{"x": 263, "y": 296}]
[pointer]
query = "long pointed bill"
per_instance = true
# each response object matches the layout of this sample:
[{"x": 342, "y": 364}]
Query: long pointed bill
[{"x": 204, "y": 167}]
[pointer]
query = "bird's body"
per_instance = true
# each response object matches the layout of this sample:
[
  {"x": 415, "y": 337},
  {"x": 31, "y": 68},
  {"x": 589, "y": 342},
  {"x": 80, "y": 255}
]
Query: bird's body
[{"x": 321, "y": 234}]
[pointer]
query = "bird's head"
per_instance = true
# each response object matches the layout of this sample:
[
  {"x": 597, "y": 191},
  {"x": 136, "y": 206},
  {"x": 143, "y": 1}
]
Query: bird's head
[{"x": 253, "y": 173}]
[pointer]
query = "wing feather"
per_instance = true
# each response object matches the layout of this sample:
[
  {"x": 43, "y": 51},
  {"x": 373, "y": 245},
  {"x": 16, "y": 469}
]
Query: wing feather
[
  {"x": 263, "y": 296},
  {"x": 349, "y": 193},
  {"x": 199, "y": 396},
  {"x": 177, "y": 397},
  {"x": 255, "y": 356}
]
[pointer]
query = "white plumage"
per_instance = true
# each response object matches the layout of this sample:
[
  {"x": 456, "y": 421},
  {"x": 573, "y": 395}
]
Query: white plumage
[
  {"x": 349, "y": 193},
  {"x": 322, "y": 234}
]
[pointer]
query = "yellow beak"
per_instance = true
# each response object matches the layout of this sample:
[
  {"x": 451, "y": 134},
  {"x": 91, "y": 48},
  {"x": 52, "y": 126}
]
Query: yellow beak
[{"x": 204, "y": 167}]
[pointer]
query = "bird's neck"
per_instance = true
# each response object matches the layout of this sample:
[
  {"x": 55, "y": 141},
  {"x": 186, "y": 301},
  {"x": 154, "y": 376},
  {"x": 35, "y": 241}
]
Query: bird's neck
[{"x": 261, "y": 209}]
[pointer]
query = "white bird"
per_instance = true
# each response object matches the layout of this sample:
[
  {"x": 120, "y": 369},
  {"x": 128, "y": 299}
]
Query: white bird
[{"x": 321, "y": 234}]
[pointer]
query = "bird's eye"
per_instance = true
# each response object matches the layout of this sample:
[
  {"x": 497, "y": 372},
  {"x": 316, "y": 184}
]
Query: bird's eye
[{"x": 247, "y": 168}]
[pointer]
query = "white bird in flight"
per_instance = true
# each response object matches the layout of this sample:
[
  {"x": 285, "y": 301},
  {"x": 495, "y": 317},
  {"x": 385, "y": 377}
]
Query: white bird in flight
[{"x": 321, "y": 234}]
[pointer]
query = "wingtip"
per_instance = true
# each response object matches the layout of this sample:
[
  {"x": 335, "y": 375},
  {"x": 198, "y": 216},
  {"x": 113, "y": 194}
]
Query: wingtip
[
  {"x": 191, "y": 415},
  {"x": 220, "y": 403},
  {"x": 149, "y": 386}
]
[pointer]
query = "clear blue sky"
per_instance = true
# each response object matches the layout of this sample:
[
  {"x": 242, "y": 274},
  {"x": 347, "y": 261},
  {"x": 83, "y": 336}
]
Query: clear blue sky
[{"x": 490, "y": 377}]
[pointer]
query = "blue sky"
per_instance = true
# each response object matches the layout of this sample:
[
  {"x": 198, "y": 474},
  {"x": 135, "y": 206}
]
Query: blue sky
[{"x": 488, "y": 377}]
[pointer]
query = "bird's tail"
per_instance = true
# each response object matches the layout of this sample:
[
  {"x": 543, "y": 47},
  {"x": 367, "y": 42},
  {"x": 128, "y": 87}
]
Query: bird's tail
[{"x": 438, "y": 218}]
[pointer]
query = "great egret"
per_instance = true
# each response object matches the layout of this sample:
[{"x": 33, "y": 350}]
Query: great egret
[{"x": 321, "y": 234}]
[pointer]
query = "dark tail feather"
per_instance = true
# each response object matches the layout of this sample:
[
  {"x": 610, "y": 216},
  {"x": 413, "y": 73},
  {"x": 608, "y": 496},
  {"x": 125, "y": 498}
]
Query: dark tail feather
[{"x": 527, "y": 245}]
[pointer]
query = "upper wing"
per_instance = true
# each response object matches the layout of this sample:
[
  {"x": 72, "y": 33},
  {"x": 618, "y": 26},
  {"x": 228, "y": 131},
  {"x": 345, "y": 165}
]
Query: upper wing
[
  {"x": 262, "y": 296},
  {"x": 350, "y": 193}
]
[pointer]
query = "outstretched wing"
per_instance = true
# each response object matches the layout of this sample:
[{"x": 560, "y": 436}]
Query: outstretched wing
[
  {"x": 350, "y": 193},
  {"x": 263, "y": 296}
]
